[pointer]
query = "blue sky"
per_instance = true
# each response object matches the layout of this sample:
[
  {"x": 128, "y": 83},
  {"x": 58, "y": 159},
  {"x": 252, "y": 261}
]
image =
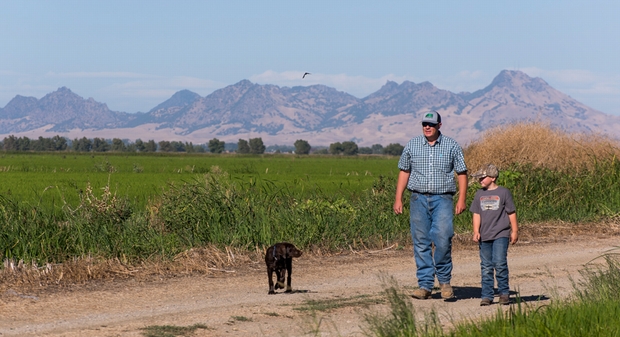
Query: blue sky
[{"x": 133, "y": 55}]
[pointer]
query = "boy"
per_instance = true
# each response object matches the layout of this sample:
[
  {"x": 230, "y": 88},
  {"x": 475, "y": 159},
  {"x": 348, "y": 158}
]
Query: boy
[{"x": 495, "y": 224}]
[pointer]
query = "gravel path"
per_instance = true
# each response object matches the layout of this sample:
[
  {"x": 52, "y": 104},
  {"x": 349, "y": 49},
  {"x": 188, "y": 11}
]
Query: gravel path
[{"x": 235, "y": 303}]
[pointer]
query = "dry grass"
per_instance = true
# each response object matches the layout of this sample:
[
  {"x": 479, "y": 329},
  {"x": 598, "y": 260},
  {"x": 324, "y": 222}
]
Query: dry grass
[
  {"x": 206, "y": 261},
  {"x": 539, "y": 145}
]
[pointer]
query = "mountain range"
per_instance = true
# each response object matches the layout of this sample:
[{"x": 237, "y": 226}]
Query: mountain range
[{"x": 316, "y": 113}]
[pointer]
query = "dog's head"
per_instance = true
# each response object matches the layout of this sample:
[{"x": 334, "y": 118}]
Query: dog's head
[{"x": 292, "y": 251}]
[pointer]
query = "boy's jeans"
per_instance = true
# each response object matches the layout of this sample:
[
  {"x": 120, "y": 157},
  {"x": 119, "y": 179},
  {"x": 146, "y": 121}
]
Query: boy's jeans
[
  {"x": 431, "y": 222},
  {"x": 493, "y": 258}
]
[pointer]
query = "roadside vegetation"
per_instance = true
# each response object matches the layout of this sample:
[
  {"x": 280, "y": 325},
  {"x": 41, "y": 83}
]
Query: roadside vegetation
[{"x": 592, "y": 310}]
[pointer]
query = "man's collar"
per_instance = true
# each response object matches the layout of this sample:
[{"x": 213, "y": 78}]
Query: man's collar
[{"x": 436, "y": 141}]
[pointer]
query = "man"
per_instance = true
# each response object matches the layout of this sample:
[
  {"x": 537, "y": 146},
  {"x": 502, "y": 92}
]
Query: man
[{"x": 427, "y": 168}]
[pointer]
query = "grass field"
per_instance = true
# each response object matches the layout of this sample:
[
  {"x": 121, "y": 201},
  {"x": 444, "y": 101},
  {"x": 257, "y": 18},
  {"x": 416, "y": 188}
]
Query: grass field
[{"x": 46, "y": 178}]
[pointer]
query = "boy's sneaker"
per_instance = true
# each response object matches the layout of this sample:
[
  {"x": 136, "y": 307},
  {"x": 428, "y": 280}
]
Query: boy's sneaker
[
  {"x": 504, "y": 299},
  {"x": 446, "y": 291},
  {"x": 485, "y": 302},
  {"x": 421, "y": 294}
]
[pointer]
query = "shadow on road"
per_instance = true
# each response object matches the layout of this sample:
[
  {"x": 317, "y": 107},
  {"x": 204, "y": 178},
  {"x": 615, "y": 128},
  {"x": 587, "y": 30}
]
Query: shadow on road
[{"x": 462, "y": 293}]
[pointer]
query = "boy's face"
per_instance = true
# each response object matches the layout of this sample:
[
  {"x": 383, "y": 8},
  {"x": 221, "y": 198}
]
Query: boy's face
[{"x": 486, "y": 181}]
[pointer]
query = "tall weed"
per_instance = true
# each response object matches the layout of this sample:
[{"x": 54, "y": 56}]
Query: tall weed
[
  {"x": 249, "y": 214},
  {"x": 538, "y": 145}
]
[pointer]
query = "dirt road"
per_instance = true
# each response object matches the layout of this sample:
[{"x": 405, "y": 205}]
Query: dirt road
[{"x": 235, "y": 303}]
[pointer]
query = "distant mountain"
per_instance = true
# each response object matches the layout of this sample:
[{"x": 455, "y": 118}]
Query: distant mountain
[
  {"x": 60, "y": 111},
  {"x": 317, "y": 113},
  {"x": 515, "y": 96}
]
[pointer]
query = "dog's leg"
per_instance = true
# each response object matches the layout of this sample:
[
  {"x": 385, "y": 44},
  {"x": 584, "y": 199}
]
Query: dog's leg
[
  {"x": 289, "y": 269},
  {"x": 280, "y": 273},
  {"x": 270, "y": 276}
]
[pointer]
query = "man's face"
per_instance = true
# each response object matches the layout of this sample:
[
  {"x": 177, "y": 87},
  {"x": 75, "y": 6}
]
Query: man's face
[{"x": 430, "y": 130}]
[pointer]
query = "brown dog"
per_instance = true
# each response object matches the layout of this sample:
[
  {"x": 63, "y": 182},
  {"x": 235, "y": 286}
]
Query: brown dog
[{"x": 279, "y": 259}]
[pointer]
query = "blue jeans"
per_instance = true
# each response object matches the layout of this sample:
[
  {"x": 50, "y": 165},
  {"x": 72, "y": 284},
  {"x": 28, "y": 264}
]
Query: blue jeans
[
  {"x": 431, "y": 223},
  {"x": 493, "y": 259}
]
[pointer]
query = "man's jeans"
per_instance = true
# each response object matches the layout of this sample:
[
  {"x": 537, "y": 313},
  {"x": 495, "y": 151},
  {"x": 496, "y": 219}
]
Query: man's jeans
[
  {"x": 493, "y": 258},
  {"x": 431, "y": 222}
]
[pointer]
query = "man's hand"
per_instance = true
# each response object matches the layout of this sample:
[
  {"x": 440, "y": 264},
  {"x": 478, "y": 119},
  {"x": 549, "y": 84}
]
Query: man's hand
[
  {"x": 401, "y": 185},
  {"x": 460, "y": 207},
  {"x": 398, "y": 207}
]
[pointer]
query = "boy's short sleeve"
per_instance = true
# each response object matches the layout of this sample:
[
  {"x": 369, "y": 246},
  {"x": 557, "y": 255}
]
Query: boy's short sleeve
[
  {"x": 475, "y": 204},
  {"x": 509, "y": 205}
]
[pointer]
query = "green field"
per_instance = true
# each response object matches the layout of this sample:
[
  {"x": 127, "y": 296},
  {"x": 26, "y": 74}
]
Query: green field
[{"x": 59, "y": 177}]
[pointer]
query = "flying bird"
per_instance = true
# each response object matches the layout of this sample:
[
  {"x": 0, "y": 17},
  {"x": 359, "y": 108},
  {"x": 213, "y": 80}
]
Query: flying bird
[{"x": 305, "y": 75}]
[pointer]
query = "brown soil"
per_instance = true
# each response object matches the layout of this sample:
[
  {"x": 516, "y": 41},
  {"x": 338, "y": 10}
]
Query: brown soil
[{"x": 234, "y": 301}]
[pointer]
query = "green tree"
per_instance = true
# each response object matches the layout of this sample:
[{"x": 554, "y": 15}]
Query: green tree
[
  {"x": 394, "y": 149},
  {"x": 349, "y": 148},
  {"x": 118, "y": 145},
  {"x": 131, "y": 147},
  {"x": 82, "y": 145},
  {"x": 377, "y": 149},
  {"x": 140, "y": 147},
  {"x": 365, "y": 150},
  {"x": 100, "y": 145},
  {"x": 257, "y": 146},
  {"x": 189, "y": 147},
  {"x": 336, "y": 148},
  {"x": 164, "y": 146},
  {"x": 177, "y": 146},
  {"x": 59, "y": 143},
  {"x": 41, "y": 144},
  {"x": 150, "y": 146},
  {"x": 243, "y": 146},
  {"x": 23, "y": 144},
  {"x": 216, "y": 146},
  {"x": 9, "y": 143},
  {"x": 302, "y": 147}
]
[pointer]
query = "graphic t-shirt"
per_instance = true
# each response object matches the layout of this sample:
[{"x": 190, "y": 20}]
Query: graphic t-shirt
[{"x": 493, "y": 207}]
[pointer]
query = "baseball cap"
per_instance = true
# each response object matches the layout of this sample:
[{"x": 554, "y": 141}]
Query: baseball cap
[
  {"x": 487, "y": 170},
  {"x": 431, "y": 117}
]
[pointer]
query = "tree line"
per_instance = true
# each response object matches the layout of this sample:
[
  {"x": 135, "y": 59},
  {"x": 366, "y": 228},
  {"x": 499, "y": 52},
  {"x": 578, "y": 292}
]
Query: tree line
[{"x": 250, "y": 146}]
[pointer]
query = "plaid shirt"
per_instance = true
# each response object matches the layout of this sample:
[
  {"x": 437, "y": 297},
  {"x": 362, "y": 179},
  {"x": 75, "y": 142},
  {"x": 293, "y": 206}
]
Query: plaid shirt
[{"x": 432, "y": 167}]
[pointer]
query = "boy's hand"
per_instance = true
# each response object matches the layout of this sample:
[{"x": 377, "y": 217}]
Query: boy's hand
[
  {"x": 514, "y": 237},
  {"x": 476, "y": 237}
]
